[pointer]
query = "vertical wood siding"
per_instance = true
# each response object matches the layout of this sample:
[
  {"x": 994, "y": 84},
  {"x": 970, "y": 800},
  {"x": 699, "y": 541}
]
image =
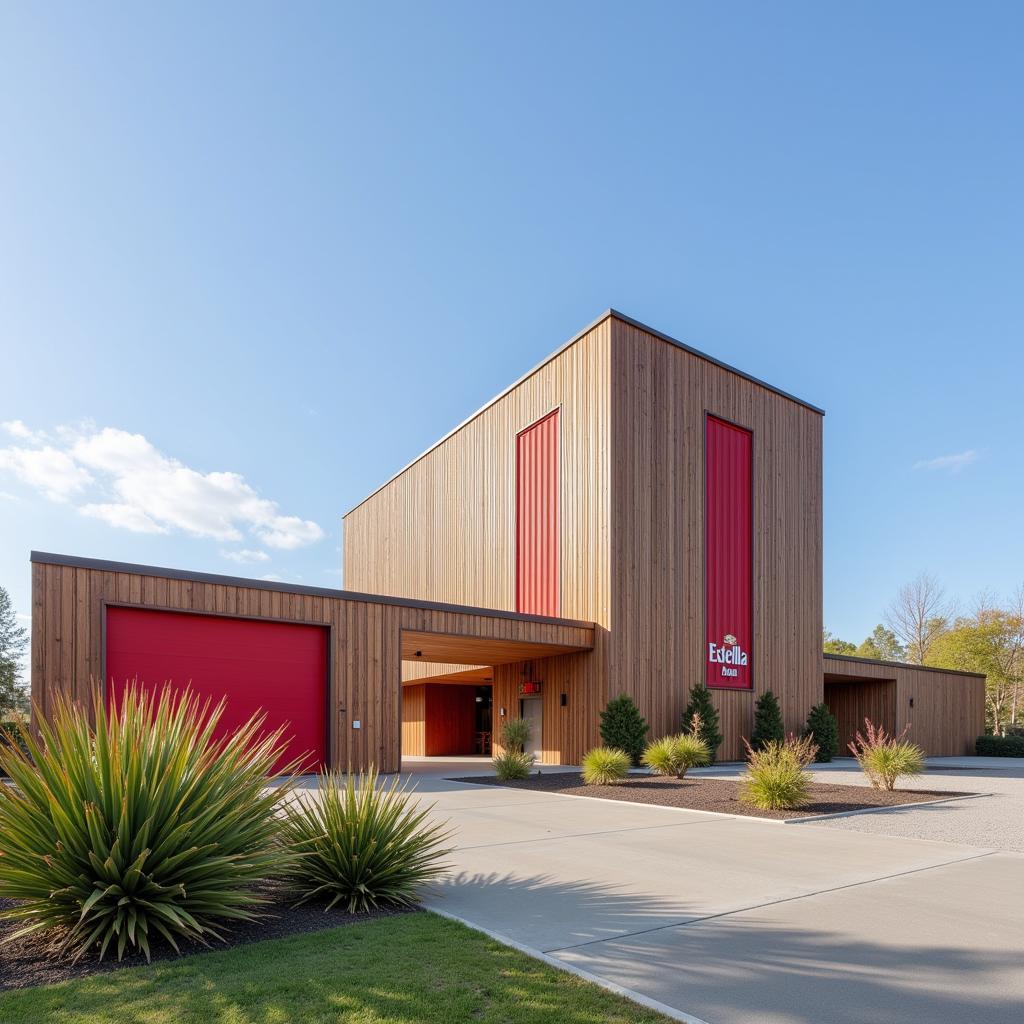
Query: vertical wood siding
[
  {"x": 364, "y": 654},
  {"x": 445, "y": 528},
  {"x": 537, "y": 564},
  {"x": 660, "y": 398},
  {"x": 948, "y": 714}
]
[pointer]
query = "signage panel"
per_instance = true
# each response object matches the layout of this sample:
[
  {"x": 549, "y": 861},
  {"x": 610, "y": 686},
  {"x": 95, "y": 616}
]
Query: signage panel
[{"x": 728, "y": 555}]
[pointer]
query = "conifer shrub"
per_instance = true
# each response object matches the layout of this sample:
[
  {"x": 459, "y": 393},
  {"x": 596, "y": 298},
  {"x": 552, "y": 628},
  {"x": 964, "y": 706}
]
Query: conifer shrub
[
  {"x": 768, "y": 725},
  {"x": 604, "y": 766},
  {"x": 624, "y": 728},
  {"x": 700, "y": 704},
  {"x": 823, "y": 729}
]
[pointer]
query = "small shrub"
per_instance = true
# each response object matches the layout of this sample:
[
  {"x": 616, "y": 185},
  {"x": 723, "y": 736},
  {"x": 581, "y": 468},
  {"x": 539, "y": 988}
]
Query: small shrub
[
  {"x": 675, "y": 755},
  {"x": 604, "y": 766},
  {"x": 515, "y": 734},
  {"x": 511, "y": 765},
  {"x": 776, "y": 777},
  {"x": 141, "y": 828},
  {"x": 999, "y": 746},
  {"x": 362, "y": 845},
  {"x": 701, "y": 704},
  {"x": 884, "y": 758},
  {"x": 768, "y": 725},
  {"x": 12, "y": 735},
  {"x": 624, "y": 728},
  {"x": 823, "y": 729}
]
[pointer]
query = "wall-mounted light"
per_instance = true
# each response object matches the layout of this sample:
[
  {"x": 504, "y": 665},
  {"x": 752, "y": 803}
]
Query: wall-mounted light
[
  {"x": 565, "y": 700},
  {"x": 419, "y": 654},
  {"x": 502, "y": 712},
  {"x": 911, "y": 701}
]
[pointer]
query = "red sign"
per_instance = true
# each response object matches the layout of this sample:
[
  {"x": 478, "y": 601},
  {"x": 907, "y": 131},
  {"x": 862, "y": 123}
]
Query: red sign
[
  {"x": 728, "y": 555},
  {"x": 528, "y": 689}
]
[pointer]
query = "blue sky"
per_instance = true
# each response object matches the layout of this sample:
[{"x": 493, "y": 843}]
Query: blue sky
[{"x": 291, "y": 245}]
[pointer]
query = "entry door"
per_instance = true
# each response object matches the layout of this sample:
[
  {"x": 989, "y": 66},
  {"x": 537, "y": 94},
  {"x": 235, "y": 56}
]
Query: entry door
[{"x": 532, "y": 710}]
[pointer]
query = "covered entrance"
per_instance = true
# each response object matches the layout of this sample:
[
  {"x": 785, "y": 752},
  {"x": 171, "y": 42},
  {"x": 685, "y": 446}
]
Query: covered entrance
[{"x": 449, "y": 707}]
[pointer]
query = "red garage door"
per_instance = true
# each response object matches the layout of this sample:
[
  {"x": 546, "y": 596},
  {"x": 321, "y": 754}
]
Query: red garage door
[{"x": 277, "y": 667}]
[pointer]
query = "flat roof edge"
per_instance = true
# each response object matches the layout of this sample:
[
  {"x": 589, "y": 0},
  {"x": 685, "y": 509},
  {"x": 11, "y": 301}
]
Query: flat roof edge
[
  {"x": 903, "y": 664},
  {"x": 609, "y": 313},
  {"x": 161, "y": 572}
]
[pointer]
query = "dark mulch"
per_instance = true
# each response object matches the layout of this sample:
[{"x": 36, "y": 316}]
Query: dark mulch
[
  {"x": 705, "y": 794},
  {"x": 32, "y": 960}
]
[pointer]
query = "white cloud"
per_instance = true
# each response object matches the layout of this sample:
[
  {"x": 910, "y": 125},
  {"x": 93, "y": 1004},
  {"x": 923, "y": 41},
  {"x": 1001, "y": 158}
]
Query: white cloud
[
  {"x": 142, "y": 490},
  {"x": 16, "y": 428},
  {"x": 949, "y": 463},
  {"x": 246, "y": 555},
  {"x": 271, "y": 578},
  {"x": 48, "y": 469},
  {"x": 7, "y": 496},
  {"x": 126, "y": 517}
]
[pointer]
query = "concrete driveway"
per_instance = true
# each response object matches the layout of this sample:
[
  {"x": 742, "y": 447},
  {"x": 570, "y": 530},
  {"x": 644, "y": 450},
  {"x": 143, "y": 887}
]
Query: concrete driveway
[{"x": 744, "y": 921}]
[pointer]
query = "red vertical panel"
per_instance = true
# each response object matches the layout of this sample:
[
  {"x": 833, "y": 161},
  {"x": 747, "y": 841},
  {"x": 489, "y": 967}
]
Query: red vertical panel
[
  {"x": 728, "y": 555},
  {"x": 537, "y": 527}
]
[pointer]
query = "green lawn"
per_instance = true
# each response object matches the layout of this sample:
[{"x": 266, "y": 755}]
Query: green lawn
[{"x": 411, "y": 969}]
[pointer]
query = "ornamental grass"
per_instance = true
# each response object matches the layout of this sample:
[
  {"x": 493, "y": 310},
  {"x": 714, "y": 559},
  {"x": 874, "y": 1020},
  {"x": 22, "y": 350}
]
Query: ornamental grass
[{"x": 144, "y": 826}]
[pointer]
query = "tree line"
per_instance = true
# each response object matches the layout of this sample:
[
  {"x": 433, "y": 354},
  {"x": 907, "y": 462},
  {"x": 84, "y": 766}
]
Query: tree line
[{"x": 923, "y": 626}]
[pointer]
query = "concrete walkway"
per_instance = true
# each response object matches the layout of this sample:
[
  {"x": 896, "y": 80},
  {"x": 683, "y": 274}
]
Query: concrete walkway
[{"x": 741, "y": 921}]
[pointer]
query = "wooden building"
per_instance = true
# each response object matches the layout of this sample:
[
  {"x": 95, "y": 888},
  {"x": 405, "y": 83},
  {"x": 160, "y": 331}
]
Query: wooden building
[
  {"x": 632, "y": 516},
  {"x": 675, "y": 502}
]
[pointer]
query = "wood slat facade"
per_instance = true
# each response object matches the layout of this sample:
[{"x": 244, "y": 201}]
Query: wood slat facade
[
  {"x": 69, "y": 598},
  {"x": 632, "y": 406},
  {"x": 945, "y": 709}
]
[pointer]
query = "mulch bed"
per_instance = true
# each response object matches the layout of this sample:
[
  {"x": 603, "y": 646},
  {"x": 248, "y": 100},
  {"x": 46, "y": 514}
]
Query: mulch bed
[
  {"x": 707, "y": 794},
  {"x": 32, "y": 960}
]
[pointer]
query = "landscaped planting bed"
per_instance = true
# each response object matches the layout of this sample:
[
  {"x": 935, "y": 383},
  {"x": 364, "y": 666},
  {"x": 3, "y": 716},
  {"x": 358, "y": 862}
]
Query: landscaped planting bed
[
  {"x": 722, "y": 795},
  {"x": 35, "y": 960},
  {"x": 411, "y": 969}
]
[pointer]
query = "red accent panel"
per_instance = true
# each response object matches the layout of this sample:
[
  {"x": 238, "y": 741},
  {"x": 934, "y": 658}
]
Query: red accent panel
[
  {"x": 279, "y": 667},
  {"x": 537, "y": 568},
  {"x": 728, "y": 555},
  {"x": 450, "y": 726}
]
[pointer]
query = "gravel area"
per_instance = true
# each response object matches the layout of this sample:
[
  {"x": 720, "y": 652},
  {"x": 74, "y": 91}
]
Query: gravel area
[
  {"x": 32, "y": 960},
  {"x": 994, "y": 821},
  {"x": 698, "y": 793}
]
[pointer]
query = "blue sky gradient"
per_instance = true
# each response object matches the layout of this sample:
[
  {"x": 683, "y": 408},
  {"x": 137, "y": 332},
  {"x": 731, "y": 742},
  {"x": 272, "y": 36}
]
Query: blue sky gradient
[{"x": 298, "y": 243}]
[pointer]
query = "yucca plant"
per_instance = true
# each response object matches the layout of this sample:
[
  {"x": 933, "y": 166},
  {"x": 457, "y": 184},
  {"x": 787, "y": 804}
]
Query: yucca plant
[
  {"x": 604, "y": 766},
  {"x": 142, "y": 827},
  {"x": 515, "y": 734},
  {"x": 511, "y": 765},
  {"x": 361, "y": 844},
  {"x": 885, "y": 757},
  {"x": 776, "y": 777},
  {"x": 676, "y": 755}
]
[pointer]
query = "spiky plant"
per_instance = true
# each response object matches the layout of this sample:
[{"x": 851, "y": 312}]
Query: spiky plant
[
  {"x": 776, "y": 777},
  {"x": 512, "y": 765},
  {"x": 142, "y": 827},
  {"x": 515, "y": 734},
  {"x": 361, "y": 844},
  {"x": 676, "y": 755},
  {"x": 604, "y": 766},
  {"x": 885, "y": 757}
]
